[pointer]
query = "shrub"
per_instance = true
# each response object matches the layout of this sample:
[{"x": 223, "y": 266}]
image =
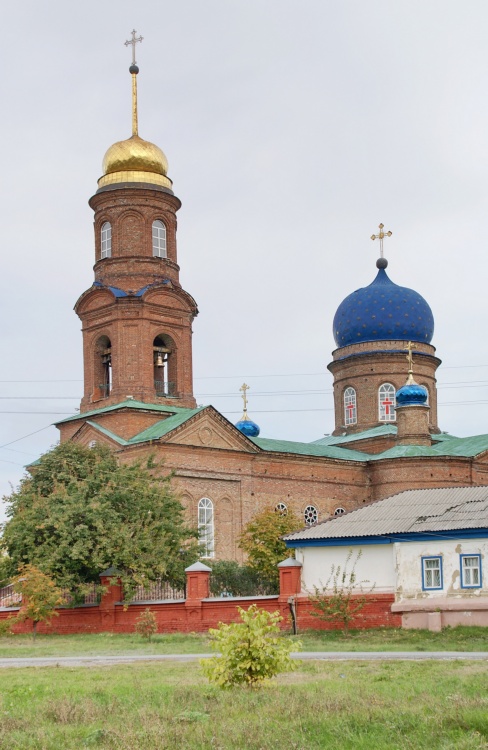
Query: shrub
[
  {"x": 252, "y": 650},
  {"x": 342, "y": 597},
  {"x": 146, "y": 624},
  {"x": 40, "y": 596},
  {"x": 231, "y": 579}
]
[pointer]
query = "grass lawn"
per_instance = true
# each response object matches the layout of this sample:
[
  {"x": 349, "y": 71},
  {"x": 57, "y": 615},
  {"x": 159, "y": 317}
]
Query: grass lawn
[
  {"x": 382, "y": 639},
  {"x": 347, "y": 706}
]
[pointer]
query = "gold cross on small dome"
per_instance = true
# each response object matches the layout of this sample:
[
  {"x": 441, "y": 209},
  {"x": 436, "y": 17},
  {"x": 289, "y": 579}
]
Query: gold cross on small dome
[
  {"x": 244, "y": 388},
  {"x": 380, "y": 236}
]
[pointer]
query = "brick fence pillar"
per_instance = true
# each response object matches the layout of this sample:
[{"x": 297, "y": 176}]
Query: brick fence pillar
[
  {"x": 113, "y": 594},
  {"x": 290, "y": 586},
  {"x": 197, "y": 589},
  {"x": 290, "y": 577}
]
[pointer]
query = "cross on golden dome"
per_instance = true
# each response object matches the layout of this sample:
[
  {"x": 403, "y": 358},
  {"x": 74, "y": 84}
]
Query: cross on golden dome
[
  {"x": 380, "y": 236},
  {"x": 133, "y": 43}
]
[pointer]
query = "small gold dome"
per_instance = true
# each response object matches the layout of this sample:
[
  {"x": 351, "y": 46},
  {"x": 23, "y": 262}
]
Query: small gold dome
[
  {"x": 135, "y": 154},
  {"x": 135, "y": 160}
]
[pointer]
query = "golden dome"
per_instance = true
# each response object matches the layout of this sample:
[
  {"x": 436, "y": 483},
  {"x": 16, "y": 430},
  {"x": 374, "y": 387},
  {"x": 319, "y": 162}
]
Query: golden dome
[{"x": 135, "y": 160}]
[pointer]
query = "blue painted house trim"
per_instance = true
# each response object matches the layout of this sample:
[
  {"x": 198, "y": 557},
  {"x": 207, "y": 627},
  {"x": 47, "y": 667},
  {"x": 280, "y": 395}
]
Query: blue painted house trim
[{"x": 420, "y": 536}]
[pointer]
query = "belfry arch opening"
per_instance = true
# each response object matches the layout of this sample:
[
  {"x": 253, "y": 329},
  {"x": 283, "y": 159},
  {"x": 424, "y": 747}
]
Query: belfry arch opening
[
  {"x": 164, "y": 362},
  {"x": 102, "y": 367}
]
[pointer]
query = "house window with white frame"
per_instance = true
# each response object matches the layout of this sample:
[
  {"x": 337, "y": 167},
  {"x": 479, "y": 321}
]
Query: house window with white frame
[
  {"x": 432, "y": 573},
  {"x": 106, "y": 238},
  {"x": 386, "y": 402},
  {"x": 206, "y": 535},
  {"x": 350, "y": 407},
  {"x": 159, "y": 239},
  {"x": 470, "y": 571}
]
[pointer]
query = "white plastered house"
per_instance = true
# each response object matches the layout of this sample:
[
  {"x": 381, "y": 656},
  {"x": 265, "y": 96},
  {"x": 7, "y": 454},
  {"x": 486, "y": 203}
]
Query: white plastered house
[{"x": 427, "y": 547}]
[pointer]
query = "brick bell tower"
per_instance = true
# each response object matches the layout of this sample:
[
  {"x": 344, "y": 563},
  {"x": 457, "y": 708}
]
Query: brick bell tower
[
  {"x": 136, "y": 318},
  {"x": 374, "y": 327}
]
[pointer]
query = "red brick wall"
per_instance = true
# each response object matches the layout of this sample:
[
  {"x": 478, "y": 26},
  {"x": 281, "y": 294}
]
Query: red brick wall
[{"x": 200, "y": 615}]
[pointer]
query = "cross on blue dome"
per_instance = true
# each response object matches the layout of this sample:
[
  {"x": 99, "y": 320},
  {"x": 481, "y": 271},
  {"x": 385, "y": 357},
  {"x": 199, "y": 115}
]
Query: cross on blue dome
[{"x": 383, "y": 311}]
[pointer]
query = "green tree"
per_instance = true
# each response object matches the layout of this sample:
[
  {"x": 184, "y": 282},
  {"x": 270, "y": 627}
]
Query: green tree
[
  {"x": 251, "y": 651},
  {"x": 263, "y": 543},
  {"x": 343, "y": 596},
  {"x": 40, "y": 597},
  {"x": 82, "y": 512}
]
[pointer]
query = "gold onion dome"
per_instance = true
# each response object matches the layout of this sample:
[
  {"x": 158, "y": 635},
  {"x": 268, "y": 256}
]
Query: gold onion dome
[{"x": 135, "y": 160}]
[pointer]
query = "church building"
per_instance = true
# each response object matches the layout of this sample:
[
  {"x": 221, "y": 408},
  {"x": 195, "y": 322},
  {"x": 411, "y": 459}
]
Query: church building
[{"x": 138, "y": 384}]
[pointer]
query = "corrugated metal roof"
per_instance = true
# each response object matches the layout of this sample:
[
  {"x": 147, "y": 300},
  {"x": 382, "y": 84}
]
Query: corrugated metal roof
[{"x": 412, "y": 511}]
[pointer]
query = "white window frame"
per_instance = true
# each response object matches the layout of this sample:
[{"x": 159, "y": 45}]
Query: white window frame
[
  {"x": 339, "y": 511},
  {"x": 470, "y": 571},
  {"x": 159, "y": 248},
  {"x": 281, "y": 509},
  {"x": 206, "y": 530},
  {"x": 386, "y": 389},
  {"x": 350, "y": 399},
  {"x": 428, "y": 573},
  {"x": 310, "y": 515},
  {"x": 106, "y": 240}
]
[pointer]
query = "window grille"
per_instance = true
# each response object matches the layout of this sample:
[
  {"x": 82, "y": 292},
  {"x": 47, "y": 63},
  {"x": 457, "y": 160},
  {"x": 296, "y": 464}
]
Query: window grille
[
  {"x": 281, "y": 509},
  {"x": 310, "y": 515}
]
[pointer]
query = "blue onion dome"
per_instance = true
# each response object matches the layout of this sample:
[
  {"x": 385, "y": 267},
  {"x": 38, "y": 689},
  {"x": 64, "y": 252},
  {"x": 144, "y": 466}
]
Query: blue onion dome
[
  {"x": 411, "y": 394},
  {"x": 383, "y": 311},
  {"x": 247, "y": 426}
]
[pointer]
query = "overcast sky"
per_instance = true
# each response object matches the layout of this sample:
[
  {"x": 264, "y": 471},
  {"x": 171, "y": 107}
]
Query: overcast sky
[{"x": 292, "y": 128}]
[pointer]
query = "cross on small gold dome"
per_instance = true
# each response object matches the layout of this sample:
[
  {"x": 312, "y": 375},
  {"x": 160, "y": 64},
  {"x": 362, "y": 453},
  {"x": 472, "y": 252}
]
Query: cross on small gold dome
[
  {"x": 244, "y": 388},
  {"x": 133, "y": 43},
  {"x": 409, "y": 359},
  {"x": 380, "y": 236}
]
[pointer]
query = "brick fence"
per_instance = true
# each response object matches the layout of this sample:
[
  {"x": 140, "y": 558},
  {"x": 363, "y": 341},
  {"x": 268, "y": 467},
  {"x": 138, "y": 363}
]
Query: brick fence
[{"x": 199, "y": 612}]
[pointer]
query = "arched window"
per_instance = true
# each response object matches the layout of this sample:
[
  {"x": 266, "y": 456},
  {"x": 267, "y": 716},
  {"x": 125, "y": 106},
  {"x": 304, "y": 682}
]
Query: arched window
[
  {"x": 339, "y": 511},
  {"x": 386, "y": 402},
  {"x": 310, "y": 515},
  {"x": 106, "y": 240},
  {"x": 159, "y": 239},
  {"x": 281, "y": 509},
  {"x": 350, "y": 408},
  {"x": 206, "y": 527}
]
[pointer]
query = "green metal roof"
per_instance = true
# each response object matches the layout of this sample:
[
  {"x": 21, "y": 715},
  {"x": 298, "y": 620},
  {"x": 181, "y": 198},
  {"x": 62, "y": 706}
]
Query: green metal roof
[
  {"x": 308, "y": 449},
  {"x": 158, "y": 430},
  {"x": 106, "y": 432},
  {"x": 384, "y": 429},
  {"x": 127, "y": 404}
]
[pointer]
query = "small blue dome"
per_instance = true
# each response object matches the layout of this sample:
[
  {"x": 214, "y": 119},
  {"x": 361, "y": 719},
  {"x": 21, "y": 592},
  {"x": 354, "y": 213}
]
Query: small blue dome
[
  {"x": 248, "y": 427},
  {"x": 383, "y": 311},
  {"x": 411, "y": 394}
]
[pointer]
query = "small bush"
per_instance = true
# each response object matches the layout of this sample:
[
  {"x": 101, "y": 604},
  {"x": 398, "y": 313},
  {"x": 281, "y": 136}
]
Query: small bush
[
  {"x": 146, "y": 624},
  {"x": 252, "y": 650}
]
